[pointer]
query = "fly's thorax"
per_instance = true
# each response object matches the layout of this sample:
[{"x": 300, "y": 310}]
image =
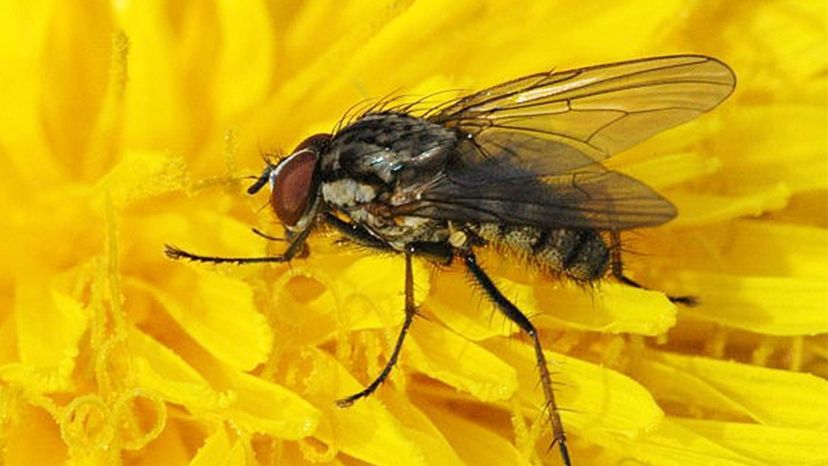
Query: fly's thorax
[
  {"x": 377, "y": 163},
  {"x": 581, "y": 255},
  {"x": 387, "y": 148},
  {"x": 368, "y": 205}
]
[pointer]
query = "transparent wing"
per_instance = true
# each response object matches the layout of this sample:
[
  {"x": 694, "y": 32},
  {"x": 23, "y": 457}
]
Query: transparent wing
[
  {"x": 599, "y": 110},
  {"x": 518, "y": 179}
]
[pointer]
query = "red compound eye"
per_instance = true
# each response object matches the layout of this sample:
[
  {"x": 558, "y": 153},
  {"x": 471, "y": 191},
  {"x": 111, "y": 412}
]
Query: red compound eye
[{"x": 293, "y": 186}]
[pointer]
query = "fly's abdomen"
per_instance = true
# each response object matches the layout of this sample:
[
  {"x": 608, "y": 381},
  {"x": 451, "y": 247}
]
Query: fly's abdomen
[{"x": 581, "y": 255}]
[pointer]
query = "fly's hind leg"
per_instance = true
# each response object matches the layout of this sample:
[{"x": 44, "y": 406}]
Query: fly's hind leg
[
  {"x": 617, "y": 268},
  {"x": 431, "y": 250},
  {"x": 513, "y": 313}
]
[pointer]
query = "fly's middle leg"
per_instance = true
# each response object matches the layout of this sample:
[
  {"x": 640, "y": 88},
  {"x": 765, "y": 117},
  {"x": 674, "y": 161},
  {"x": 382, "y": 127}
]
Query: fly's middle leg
[
  {"x": 355, "y": 233},
  {"x": 515, "y": 315},
  {"x": 410, "y": 312},
  {"x": 432, "y": 251},
  {"x": 617, "y": 268}
]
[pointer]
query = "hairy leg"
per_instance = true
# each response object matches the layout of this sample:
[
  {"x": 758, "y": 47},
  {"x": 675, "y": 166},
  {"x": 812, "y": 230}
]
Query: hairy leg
[{"x": 515, "y": 315}]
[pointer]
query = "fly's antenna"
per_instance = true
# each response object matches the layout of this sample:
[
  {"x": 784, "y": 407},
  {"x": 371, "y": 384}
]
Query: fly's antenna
[{"x": 262, "y": 180}]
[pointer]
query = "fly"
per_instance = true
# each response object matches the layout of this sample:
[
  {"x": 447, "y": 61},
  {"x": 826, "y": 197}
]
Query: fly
[{"x": 516, "y": 166}]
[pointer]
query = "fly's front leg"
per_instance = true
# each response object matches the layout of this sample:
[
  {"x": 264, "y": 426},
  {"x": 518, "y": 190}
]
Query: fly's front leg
[
  {"x": 430, "y": 250},
  {"x": 617, "y": 267},
  {"x": 513, "y": 313},
  {"x": 295, "y": 246}
]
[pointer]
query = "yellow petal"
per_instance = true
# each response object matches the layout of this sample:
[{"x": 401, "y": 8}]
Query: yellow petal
[
  {"x": 671, "y": 169},
  {"x": 769, "y": 305},
  {"x": 800, "y": 50},
  {"x": 610, "y": 308},
  {"x": 672, "y": 444},
  {"x": 460, "y": 363},
  {"x": 267, "y": 407},
  {"x": 155, "y": 105},
  {"x": 366, "y": 430},
  {"x": 251, "y": 403},
  {"x": 474, "y": 443},
  {"x": 748, "y": 247},
  {"x": 227, "y": 318},
  {"x": 159, "y": 369},
  {"x": 202, "y": 231},
  {"x": 170, "y": 448},
  {"x": 33, "y": 438},
  {"x": 776, "y": 149},
  {"x": 764, "y": 444},
  {"x": 34, "y": 21},
  {"x": 246, "y": 59},
  {"x": 50, "y": 324},
  {"x": 140, "y": 175},
  {"x": 21, "y": 119},
  {"x": 595, "y": 401},
  {"x": 786, "y": 250},
  {"x": 220, "y": 315},
  {"x": 680, "y": 390},
  {"x": 219, "y": 449},
  {"x": 550, "y": 302},
  {"x": 758, "y": 390},
  {"x": 303, "y": 289},
  {"x": 367, "y": 290},
  {"x": 701, "y": 209},
  {"x": 73, "y": 96},
  {"x": 464, "y": 311},
  {"x": 422, "y": 430}
]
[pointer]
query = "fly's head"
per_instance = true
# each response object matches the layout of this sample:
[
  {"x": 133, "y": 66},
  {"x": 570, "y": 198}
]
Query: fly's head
[{"x": 294, "y": 183}]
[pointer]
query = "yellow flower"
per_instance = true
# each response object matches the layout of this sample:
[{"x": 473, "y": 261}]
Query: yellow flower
[{"x": 130, "y": 124}]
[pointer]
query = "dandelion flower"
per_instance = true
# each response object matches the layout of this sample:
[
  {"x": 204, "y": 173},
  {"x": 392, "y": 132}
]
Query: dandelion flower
[{"x": 127, "y": 125}]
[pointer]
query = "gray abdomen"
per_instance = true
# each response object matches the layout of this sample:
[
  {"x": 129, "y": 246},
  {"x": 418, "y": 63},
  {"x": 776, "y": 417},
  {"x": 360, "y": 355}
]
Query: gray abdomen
[{"x": 581, "y": 255}]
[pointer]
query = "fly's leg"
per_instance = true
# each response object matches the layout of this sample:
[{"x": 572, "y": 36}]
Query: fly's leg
[
  {"x": 295, "y": 246},
  {"x": 513, "y": 313},
  {"x": 617, "y": 268},
  {"x": 356, "y": 233},
  {"x": 410, "y": 312},
  {"x": 433, "y": 251},
  {"x": 436, "y": 252},
  {"x": 302, "y": 254}
]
